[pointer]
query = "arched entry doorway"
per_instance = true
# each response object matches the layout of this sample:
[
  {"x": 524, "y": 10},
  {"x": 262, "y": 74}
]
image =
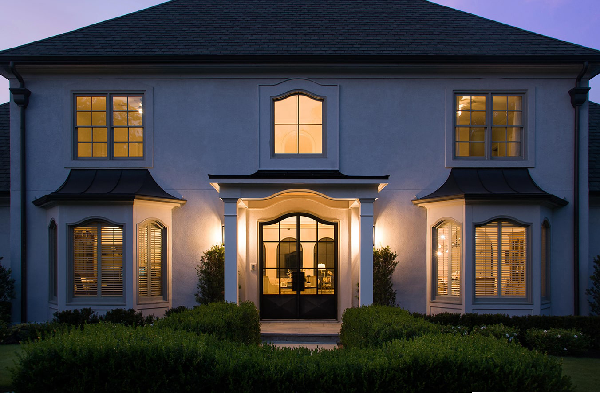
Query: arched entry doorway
[{"x": 298, "y": 267}]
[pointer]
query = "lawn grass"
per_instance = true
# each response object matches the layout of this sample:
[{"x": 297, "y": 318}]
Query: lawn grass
[
  {"x": 8, "y": 354},
  {"x": 585, "y": 373}
]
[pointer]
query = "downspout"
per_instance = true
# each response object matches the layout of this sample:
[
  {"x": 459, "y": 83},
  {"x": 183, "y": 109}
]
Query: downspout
[
  {"x": 578, "y": 97},
  {"x": 21, "y": 98}
]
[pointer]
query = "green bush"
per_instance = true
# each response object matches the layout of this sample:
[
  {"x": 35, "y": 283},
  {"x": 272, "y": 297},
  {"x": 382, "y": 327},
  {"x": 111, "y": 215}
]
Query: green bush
[
  {"x": 498, "y": 331},
  {"x": 372, "y": 326},
  {"x": 211, "y": 276},
  {"x": 175, "y": 310},
  {"x": 557, "y": 341},
  {"x": 589, "y": 326},
  {"x": 226, "y": 321},
  {"x": 384, "y": 264},
  {"x": 24, "y": 332},
  {"x": 594, "y": 290},
  {"x": 127, "y": 317},
  {"x": 111, "y": 358},
  {"x": 77, "y": 317},
  {"x": 7, "y": 293}
]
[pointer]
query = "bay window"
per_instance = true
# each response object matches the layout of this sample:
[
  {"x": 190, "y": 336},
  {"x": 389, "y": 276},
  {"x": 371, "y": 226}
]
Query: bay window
[{"x": 447, "y": 259}]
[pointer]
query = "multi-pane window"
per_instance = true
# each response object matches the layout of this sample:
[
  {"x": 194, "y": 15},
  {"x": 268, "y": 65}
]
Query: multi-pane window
[
  {"x": 53, "y": 259},
  {"x": 501, "y": 260},
  {"x": 97, "y": 260},
  {"x": 298, "y": 124},
  {"x": 109, "y": 126},
  {"x": 151, "y": 259},
  {"x": 489, "y": 126},
  {"x": 447, "y": 258}
]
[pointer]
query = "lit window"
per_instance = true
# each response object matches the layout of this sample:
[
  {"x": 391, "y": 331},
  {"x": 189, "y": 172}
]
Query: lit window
[
  {"x": 109, "y": 126},
  {"x": 298, "y": 124},
  {"x": 447, "y": 258},
  {"x": 53, "y": 259},
  {"x": 151, "y": 259},
  {"x": 97, "y": 260},
  {"x": 489, "y": 126},
  {"x": 501, "y": 260}
]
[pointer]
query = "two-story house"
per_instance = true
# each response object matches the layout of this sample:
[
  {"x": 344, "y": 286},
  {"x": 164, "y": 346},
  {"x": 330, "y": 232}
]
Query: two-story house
[{"x": 301, "y": 134}]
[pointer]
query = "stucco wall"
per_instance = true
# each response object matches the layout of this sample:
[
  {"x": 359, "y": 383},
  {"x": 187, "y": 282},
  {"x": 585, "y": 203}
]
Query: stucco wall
[{"x": 204, "y": 122}]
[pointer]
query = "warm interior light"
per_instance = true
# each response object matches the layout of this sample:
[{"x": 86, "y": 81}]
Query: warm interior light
[{"x": 321, "y": 266}]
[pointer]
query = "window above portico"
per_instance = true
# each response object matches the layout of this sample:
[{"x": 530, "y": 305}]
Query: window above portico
[{"x": 299, "y": 126}]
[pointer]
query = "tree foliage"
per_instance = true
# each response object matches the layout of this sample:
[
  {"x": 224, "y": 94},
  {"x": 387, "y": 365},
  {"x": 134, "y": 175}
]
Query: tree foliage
[
  {"x": 384, "y": 264},
  {"x": 594, "y": 290},
  {"x": 211, "y": 276},
  {"x": 7, "y": 293}
]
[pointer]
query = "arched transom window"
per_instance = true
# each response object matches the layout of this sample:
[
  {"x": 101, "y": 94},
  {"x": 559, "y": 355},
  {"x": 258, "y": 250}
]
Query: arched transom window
[{"x": 298, "y": 124}]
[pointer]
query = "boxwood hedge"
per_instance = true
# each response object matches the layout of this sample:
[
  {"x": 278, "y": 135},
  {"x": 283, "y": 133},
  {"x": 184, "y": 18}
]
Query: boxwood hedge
[{"x": 116, "y": 358}]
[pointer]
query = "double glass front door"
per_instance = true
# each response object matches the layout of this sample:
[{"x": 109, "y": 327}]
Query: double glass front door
[{"x": 298, "y": 268}]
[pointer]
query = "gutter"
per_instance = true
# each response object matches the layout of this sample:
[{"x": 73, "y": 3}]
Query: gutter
[
  {"x": 579, "y": 96},
  {"x": 21, "y": 98}
]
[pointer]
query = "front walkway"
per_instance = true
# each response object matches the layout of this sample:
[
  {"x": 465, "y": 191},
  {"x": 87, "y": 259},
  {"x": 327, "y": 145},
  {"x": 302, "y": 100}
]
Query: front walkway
[{"x": 294, "y": 333}]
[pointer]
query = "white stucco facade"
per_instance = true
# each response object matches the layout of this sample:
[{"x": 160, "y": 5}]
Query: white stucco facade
[{"x": 396, "y": 121}]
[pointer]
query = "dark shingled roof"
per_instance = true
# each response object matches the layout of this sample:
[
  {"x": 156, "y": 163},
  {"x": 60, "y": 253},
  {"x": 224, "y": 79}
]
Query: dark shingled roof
[
  {"x": 4, "y": 149},
  {"x": 301, "y": 31},
  {"x": 491, "y": 184},
  {"x": 594, "y": 148},
  {"x": 107, "y": 185}
]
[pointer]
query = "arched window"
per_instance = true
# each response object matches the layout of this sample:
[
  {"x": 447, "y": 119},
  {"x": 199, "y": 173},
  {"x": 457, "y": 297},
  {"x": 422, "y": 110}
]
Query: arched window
[
  {"x": 298, "y": 124},
  {"x": 287, "y": 257},
  {"x": 325, "y": 253},
  {"x": 545, "y": 256},
  {"x": 53, "y": 260},
  {"x": 97, "y": 259},
  {"x": 447, "y": 258},
  {"x": 501, "y": 260},
  {"x": 151, "y": 259}
]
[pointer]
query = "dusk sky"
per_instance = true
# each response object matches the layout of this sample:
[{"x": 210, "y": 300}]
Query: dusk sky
[{"x": 576, "y": 21}]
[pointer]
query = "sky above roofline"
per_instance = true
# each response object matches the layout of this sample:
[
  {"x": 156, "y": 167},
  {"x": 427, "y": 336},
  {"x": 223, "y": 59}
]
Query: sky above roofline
[{"x": 576, "y": 21}]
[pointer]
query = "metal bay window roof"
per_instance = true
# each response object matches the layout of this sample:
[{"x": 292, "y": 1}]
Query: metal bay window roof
[
  {"x": 107, "y": 185},
  {"x": 300, "y": 31}
]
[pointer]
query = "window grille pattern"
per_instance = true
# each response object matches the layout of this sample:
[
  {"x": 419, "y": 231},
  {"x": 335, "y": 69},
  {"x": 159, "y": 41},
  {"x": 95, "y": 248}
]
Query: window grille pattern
[
  {"x": 95, "y": 115},
  {"x": 501, "y": 260},
  {"x": 151, "y": 251},
  {"x": 447, "y": 258},
  {"x": 489, "y": 126},
  {"x": 298, "y": 125},
  {"x": 97, "y": 260}
]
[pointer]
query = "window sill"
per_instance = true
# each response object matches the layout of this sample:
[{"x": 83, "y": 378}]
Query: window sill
[
  {"x": 96, "y": 301},
  {"x": 447, "y": 300},
  {"x": 502, "y": 301}
]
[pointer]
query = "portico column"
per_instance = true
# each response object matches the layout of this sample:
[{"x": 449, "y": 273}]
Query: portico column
[
  {"x": 231, "y": 284},
  {"x": 365, "y": 288}
]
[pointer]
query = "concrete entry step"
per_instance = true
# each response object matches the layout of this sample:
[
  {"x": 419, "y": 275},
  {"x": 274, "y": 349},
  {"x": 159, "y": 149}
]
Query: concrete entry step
[{"x": 322, "y": 334}]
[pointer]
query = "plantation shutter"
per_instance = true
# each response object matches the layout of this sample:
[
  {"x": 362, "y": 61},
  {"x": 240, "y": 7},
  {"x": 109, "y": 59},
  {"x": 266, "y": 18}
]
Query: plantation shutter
[
  {"x": 112, "y": 261},
  {"x": 150, "y": 259},
  {"x": 447, "y": 253},
  {"x": 85, "y": 261},
  {"x": 500, "y": 260}
]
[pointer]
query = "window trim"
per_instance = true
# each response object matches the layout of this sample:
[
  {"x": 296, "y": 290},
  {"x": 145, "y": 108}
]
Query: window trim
[
  {"x": 434, "y": 295},
  {"x": 521, "y": 87},
  {"x": 109, "y": 125},
  {"x": 53, "y": 261},
  {"x": 316, "y": 97},
  {"x": 329, "y": 159},
  {"x": 98, "y": 299},
  {"x": 141, "y": 299},
  {"x": 547, "y": 273},
  {"x": 499, "y": 299}
]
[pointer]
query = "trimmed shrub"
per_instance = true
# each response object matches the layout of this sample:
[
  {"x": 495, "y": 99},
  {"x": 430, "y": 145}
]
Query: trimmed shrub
[
  {"x": 110, "y": 358},
  {"x": 384, "y": 264},
  {"x": 589, "y": 326},
  {"x": 127, "y": 317},
  {"x": 77, "y": 317},
  {"x": 175, "y": 310},
  {"x": 372, "y": 326},
  {"x": 211, "y": 276},
  {"x": 24, "y": 332},
  {"x": 498, "y": 331},
  {"x": 557, "y": 341},
  {"x": 226, "y": 321}
]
